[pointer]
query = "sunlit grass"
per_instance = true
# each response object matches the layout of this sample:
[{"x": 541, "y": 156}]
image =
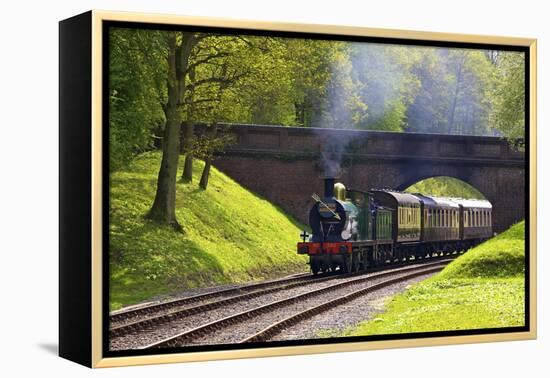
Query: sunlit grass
[
  {"x": 230, "y": 235},
  {"x": 445, "y": 186},
  {"x": 485, "y": 288}
]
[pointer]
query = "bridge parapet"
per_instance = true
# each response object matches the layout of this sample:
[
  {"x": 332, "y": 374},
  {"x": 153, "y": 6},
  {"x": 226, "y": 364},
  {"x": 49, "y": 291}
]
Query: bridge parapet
[{"x": 273, "y": 140}]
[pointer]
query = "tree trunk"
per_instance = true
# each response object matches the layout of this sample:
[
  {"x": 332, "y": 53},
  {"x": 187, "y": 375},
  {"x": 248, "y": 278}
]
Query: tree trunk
[
  {"x": 187, "y": 175},
  {"x": 189, "y": 134},
  {"x": 455, "y": 98},
  {"x": 164, "y": 205},
  {"x": 205, "y": 173}
]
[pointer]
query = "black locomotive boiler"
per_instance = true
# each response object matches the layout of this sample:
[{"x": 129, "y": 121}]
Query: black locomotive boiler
[{"x": 353, "y": 229}]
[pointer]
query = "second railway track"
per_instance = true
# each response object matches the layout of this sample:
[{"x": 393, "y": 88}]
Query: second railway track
[{"x": 233, "y": 327}]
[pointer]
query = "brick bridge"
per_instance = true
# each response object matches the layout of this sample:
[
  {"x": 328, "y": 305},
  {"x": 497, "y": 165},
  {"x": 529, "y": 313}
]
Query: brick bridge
[{"x": 283, "y": 165}]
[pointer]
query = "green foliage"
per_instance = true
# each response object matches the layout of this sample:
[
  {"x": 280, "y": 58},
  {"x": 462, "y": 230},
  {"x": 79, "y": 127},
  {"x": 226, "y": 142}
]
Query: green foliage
[
  {"x": 509, "y": 115},
  {"x": 387, "y": 84},
  {"x": 206, "y": 145},
  {"x": 484, "y": 288},
  {"x": 228, "y": 235},
  {"x": 137, "y": 71},
  {"x": 445, "y": 186},
  {"x": 456, "y": 95},
  {"x": 343, "y": 107}
]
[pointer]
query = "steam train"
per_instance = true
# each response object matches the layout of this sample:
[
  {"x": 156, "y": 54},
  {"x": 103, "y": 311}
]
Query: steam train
[{"x": 353, "y": 230}]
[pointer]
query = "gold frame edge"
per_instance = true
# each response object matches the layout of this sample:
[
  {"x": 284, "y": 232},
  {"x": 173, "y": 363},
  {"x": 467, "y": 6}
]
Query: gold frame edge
[{"x": 98, "y": 16}]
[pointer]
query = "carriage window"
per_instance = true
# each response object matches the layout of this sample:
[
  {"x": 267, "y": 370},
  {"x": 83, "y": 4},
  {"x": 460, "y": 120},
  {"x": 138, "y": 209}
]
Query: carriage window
[{"x": 425, "y": 217}]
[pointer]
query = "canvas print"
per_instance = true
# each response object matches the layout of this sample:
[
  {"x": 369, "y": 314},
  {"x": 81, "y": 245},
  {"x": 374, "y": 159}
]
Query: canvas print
[{"x": 270, "y": 189}]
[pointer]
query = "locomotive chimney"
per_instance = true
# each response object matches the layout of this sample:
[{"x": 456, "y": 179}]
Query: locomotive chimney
[{"x": 329, "y": 187}]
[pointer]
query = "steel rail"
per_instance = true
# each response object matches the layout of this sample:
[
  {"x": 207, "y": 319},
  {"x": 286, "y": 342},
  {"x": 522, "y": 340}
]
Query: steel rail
[
  {"x": 278, "y": 327},
  {"x": 197, "y": 332}
]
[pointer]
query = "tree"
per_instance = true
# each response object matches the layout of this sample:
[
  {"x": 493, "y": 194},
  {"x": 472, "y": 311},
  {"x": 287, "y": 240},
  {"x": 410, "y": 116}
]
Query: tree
[
  {"x": 212, "y": 141},
  {"x": 137, "y": 71},
  {"x": 428, "y": 110},
  {"x": 218, "y": 63},
  {"x": 456, "y": 94},
  {"x": 509, "y": 115},
  {"x": 473, "y": 81},
  {"x": 180, "y": 46},
  {"x": 387, "y": 85}
]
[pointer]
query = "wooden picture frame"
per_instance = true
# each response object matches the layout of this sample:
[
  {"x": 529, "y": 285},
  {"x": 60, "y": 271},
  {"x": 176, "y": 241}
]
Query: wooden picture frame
[{"x": 84, "y": 187}]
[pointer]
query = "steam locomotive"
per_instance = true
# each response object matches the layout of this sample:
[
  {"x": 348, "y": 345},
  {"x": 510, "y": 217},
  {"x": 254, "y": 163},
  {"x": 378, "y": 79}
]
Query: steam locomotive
[{"x": 353, "y": 230}]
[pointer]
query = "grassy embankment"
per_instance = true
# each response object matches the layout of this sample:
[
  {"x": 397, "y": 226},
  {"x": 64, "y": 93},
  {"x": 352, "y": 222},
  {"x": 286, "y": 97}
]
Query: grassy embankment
[
  {"x": 231, "y": 235},
  {"x": 483, "y": 288},
  {"x": 445, "y": 186}
]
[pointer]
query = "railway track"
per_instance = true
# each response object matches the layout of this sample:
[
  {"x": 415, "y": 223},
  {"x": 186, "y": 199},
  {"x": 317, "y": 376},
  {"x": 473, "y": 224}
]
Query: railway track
[
  {"x": 121, "y": 316},
  {"x": 126, "y": 321},
  {"x": 148, "y": 317},
  {"x": 235, "y": 327}
]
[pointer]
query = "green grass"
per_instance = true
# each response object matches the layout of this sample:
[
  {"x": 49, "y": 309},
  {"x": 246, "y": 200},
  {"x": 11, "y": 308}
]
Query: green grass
[
  {"x": 483, "y": 288},
  {"x": 230, "y": 235},
  {"x": 445, "y": 186}
]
